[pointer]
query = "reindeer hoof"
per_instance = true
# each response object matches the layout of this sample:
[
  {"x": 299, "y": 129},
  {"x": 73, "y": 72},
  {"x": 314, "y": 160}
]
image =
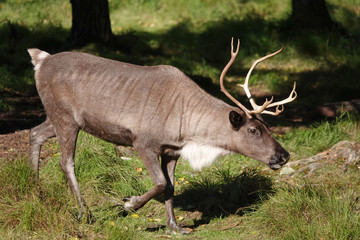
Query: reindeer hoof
[
  {"x": 85, "y": 216},
  {"x": 176, "y": 229},
  {"x": 90, "y": 219},
  {"x": 129, "y": 203}
]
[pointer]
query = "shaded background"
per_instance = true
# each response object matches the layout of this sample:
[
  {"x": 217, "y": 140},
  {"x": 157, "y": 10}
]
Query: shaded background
[{"x": 320, "y": 38}]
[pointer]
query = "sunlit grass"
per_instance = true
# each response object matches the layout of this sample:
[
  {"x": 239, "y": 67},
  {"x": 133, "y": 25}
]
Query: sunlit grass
[
  {"x": 321, "y": 136},
  {"x": 195, "y": 36},
  {"x": 309, "y": 212},
  {"x": 32, "y": 13},
  {"x": 161, "y": 15},
  {"x": 236, "y": 195}
]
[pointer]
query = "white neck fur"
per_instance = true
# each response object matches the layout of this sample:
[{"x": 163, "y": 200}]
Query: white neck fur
[{"x": 201, "y": 155}]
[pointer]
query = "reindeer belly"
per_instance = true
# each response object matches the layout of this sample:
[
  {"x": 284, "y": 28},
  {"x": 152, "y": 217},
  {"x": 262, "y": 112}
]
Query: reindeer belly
[{"x": 107, "y": 130}]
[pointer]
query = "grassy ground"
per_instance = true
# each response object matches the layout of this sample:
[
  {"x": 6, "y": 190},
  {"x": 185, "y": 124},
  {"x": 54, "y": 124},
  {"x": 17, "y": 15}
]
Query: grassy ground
[{"x": 235, "y": 199}]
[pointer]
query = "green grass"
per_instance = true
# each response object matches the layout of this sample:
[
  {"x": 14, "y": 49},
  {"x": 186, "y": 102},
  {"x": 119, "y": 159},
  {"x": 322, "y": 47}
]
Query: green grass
[
  {"x": 309, "y": 212},
  {"x": 194, "y": 36},
  {"x": 322, "y": 136},
  {"x": 237, "y": 197}
]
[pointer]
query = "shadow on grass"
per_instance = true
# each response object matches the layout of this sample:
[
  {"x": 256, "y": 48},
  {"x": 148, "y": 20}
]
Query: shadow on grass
[
  {"x": 190, "y": 50},
  {"x": 224, "y": 194}
]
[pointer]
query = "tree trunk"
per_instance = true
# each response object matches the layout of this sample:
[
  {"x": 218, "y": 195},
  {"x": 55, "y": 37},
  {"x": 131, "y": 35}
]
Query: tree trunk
[
  {"x": 90, "y": 21},
  {"x": 311, "y": 14}
]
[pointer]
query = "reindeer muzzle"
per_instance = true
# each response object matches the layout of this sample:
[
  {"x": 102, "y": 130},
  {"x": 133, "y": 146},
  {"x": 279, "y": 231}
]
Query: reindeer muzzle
[{"x": 279, "y": 159}]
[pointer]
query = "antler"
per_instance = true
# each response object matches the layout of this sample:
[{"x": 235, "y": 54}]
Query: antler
[
  {"x": 245, "y": 86},
  {"x": 223, "y": 73},
  {"x": 291, "y": 98}
]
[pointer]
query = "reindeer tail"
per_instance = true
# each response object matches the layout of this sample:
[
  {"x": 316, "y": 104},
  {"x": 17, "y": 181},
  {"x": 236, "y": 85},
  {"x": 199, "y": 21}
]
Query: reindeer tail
[{"x": 37, "y": 57}]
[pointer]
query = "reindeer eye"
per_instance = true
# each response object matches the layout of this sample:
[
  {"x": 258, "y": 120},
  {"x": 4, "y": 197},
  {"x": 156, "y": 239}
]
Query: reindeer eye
[{"x": 254, "y": 131}]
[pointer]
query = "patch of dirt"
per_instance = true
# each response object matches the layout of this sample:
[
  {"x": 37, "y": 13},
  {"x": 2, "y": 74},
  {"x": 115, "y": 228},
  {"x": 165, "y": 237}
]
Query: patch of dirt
[
  {"x": 24, "y": 111},
  {"x": 333, "y": 109},
  {"x": 15, "y": 145}
]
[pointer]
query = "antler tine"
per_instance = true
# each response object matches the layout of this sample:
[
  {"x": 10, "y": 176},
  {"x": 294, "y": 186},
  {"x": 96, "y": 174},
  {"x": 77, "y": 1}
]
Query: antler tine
[
  {"x": 287, "y": 100},
  {"x": 223, "y": 73},
  {"x": 277, "y": 111},
  {"x": 245, "y": 86},
  {"x": 262, "y": 108},
  {"x": 291, "y": 98}
]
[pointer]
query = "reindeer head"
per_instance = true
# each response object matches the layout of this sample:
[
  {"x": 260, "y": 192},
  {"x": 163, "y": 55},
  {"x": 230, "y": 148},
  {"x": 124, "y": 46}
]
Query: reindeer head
[{"x": 258, "y": 143}]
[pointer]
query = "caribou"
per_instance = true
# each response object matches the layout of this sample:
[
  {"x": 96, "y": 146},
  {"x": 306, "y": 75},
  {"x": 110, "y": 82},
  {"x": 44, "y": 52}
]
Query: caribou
[{"x": 157, "y": 110}]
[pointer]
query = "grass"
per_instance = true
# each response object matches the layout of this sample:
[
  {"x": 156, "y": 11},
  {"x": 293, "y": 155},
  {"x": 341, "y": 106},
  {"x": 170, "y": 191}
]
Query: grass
[
  {"x": 236, "y": 198},
  {"x": 194, "y": 36},
  {"x": 309, "y": 212},
  {"x": 322, "y": 136}
]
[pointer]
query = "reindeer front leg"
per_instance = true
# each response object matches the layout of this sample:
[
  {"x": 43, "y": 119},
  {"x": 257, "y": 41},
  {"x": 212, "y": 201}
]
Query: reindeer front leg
[
  {"x": 163, "y": 178},
  {"x": 168, "y": 164},
  {"x": 152, "y": 164}
]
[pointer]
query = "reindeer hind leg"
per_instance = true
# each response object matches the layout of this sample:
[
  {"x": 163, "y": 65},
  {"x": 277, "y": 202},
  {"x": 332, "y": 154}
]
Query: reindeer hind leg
[
  {"x": 38, "y": 136},
  {"x": 67, "y": 132}
]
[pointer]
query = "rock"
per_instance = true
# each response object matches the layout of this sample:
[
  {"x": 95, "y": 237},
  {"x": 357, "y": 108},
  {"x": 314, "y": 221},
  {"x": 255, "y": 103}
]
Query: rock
[
  {"x": 286, "y": 171},
  {"x": 343, "y": 153},
  {"x": 347, "y": 151}
]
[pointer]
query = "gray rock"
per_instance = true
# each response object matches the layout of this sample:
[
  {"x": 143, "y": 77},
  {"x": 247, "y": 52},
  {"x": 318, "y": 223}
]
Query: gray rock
[{"x": 286, "y": 171}]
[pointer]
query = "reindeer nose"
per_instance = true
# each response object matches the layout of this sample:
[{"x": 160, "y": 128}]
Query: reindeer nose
[{"x": 279, "y": 159}]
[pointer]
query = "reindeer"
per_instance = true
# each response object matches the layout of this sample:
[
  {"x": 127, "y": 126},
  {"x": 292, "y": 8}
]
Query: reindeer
[{"x": 157, "y": 110}]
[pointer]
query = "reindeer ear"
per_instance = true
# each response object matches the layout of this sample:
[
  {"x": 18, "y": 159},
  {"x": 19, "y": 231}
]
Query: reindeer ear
[{"x": 235, "y": 120}]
